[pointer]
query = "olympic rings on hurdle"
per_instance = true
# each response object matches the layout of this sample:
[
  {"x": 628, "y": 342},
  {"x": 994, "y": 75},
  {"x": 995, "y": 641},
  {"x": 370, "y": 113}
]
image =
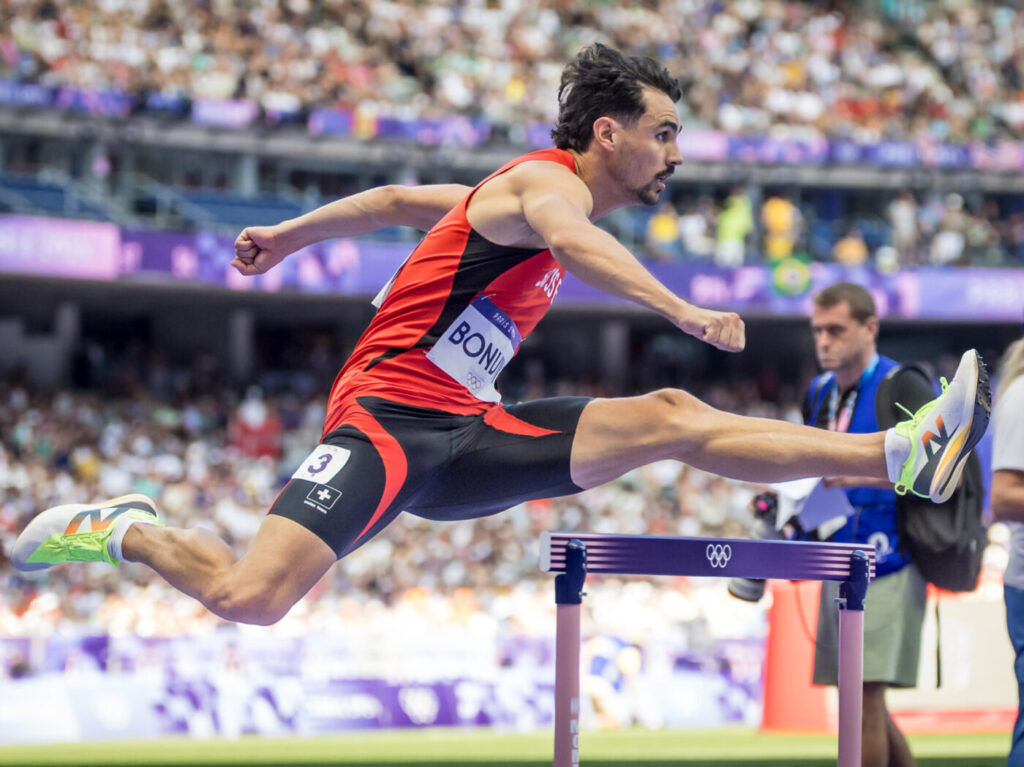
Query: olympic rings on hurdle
[{"x": 718, "y": 554}]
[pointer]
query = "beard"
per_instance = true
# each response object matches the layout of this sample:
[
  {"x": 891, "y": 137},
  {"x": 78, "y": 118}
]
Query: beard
[
  {"x": 650, "y": 193},
  {"x": 623, "y": 169}
]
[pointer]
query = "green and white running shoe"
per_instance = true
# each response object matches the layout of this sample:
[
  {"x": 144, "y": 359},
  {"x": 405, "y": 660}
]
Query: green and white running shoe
[
  {"x": 943, "y": 432},
  {"x": 78, "y": 532}
]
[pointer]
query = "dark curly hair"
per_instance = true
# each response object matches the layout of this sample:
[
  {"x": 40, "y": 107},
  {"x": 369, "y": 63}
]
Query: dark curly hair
[{"x": 601, "y": 82}]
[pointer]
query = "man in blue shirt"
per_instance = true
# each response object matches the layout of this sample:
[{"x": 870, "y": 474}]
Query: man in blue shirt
[{"x": 845, "y": 327}]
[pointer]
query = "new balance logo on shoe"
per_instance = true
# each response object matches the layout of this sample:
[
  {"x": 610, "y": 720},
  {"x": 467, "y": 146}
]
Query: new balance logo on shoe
[
  {"x": 933, "y": 443},
  {"x": 96, "y": 520}
]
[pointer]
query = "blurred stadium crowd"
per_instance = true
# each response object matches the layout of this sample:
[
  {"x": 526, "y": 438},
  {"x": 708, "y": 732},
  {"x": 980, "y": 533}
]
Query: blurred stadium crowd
[
  {"x": 950, "y": 70},
  {"x": 943, "y": 71},
  {"x": 218, "y": 461},
  {"x": 940, "y": 230},
  {"x": 216, "y": 458}
]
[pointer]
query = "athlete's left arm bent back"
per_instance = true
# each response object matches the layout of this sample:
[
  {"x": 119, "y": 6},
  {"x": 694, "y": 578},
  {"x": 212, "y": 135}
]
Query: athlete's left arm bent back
[
  {"x": 556, "y": 205},
  {"x": 258, "y": 248}
]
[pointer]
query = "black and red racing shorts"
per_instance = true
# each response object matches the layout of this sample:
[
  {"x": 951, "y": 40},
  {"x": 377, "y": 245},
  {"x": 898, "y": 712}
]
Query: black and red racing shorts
[{"x": 388, "y": 457}]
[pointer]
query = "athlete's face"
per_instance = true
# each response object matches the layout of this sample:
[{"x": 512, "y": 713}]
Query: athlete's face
[
  {"x": 648, "y": 153},
  {"x": 843, "y": 343}
]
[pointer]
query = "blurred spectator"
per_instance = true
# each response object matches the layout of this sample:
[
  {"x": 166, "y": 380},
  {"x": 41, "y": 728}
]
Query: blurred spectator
[
  {"x": 662, "y": 242},
  {"x": 981, "y": 237},
  {"x": 783, "y": 225},
  {"x": 902, "y": 215},
  {"x": 887, "y": 259},
  {"x": 851, "y": 250},
  {"x": 735, "y": 225},
  {"x": 1015, "y": 236},
  {"x": 929, "y": 217},
  {"x": 948, "y": 243},
  {"x": 256, "y": 429},
  {"x": 695, "y": 226}
]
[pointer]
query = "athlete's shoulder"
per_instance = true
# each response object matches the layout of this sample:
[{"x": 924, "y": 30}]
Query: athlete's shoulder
[
  {"x": 542, "y": 166},
  {"x": 561, "y": 157},
  {"x": 540, "y": 175}
]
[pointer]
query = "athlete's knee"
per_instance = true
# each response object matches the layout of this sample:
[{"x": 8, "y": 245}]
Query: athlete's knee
[
  {"x": 677, "y": 409},
  {"x": 679, "y": 419},
  {"x": 675, "y": 401},
  {"x": 246, "y": 601}
]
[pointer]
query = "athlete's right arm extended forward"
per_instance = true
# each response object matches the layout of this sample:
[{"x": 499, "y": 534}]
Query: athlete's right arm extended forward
[
  {"x": 258, "y": 248},
  {"x": 556, "y": 211}
]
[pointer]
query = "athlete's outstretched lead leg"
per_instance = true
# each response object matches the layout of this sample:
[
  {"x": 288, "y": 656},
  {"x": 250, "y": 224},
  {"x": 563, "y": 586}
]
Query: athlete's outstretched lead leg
[{"x": 925, "y": 454}]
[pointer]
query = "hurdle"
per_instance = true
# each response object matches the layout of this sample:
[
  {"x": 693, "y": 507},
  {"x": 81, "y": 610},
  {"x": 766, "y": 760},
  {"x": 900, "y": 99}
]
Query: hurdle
[{"x": 573, "y": 555}]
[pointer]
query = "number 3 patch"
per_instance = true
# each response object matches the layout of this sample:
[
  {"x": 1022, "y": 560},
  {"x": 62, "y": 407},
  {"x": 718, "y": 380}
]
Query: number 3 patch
[{"x": 322, "y": 464}]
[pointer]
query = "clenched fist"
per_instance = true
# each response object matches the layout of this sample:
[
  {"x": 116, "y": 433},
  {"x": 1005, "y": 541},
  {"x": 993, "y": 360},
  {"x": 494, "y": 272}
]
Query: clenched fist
[
  {"x": 257, "y": 249},
  {"x": 723, "y": 330}
]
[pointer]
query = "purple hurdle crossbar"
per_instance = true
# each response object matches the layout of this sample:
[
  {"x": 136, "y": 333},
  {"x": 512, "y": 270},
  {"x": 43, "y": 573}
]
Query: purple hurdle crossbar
[{"x": 574, "y": 554}]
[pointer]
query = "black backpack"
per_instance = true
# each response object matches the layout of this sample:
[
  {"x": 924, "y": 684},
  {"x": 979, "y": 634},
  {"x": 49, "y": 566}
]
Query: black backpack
[{"x": 946, "y": 540}]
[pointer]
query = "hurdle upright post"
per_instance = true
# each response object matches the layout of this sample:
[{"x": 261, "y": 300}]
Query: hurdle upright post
[
  {"x": 852, "y": 593},
  {"x": 568, "y": 601}
]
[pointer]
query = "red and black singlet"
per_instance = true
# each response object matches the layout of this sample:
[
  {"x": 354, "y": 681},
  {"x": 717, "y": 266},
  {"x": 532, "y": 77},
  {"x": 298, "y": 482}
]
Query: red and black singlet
[{"x": 455, "y": 313}]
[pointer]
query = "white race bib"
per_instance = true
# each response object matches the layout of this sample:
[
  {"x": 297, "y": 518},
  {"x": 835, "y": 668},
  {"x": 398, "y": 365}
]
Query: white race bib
[
  {"x": 322, "y": 464},
  {"x": 477, "y": 347}
]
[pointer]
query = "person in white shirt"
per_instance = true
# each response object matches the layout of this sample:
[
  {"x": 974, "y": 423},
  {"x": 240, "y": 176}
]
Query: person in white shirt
[{"x": 1008, "y": 507}]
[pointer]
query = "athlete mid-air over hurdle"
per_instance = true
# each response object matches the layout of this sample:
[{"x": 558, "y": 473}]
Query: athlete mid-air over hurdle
[{"x": 414, "y": 421}]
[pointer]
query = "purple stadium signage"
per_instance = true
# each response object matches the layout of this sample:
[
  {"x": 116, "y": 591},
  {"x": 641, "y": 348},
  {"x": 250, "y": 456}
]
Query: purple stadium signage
[
  {"x": 349, "y": 267},
  {"x": 451, "y": 131},
  {"x": 330, "y": 122},
  {"x": 455, "y": 131},
  {"x": 107, "y": 103},
  {"x": 757, "y": 149},
  {"x": 225, "y": 113},
  {"x": 894, "y": 154},
  {"x": 229, "y": 684},
  {"x": 1003, "y": 156},
  {"x": 936, "y": 155},
  {"x": 59, "y": 248},
  {"x": 701, "y": 146},
  {"x": 995, "y": 295},
  {"x": 25, "y": 94}
]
